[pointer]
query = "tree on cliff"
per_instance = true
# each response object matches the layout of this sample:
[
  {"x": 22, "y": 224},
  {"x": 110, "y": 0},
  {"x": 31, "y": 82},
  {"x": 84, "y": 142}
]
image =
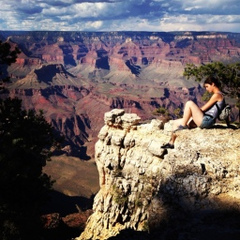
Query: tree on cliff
[
  {"x": 228, "y": 74},
  {"x": 25, "y": 142},
  {"x": 7, "y": 57}
]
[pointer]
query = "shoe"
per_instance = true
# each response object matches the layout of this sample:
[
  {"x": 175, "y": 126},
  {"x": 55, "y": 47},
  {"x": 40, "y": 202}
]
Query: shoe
[
  {"x": 168, "y": 145},
  {"x": 181, "y": 128}
]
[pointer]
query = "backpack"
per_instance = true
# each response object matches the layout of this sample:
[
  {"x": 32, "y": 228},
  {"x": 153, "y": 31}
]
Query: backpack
[{"x": 225, "y": 113}]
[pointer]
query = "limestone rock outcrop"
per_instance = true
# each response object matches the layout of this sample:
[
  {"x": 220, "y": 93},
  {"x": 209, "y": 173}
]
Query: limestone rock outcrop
[{"x": 144, "y": 188}]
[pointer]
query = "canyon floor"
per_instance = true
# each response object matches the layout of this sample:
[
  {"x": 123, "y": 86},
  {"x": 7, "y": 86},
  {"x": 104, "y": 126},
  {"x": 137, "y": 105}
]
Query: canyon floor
[{"x": 76, "y": 181}]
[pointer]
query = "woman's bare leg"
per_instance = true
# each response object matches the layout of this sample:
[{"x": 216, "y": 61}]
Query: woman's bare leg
[
  {"x": 191, "y": 112},
  {"x": 173, "y": 138}
]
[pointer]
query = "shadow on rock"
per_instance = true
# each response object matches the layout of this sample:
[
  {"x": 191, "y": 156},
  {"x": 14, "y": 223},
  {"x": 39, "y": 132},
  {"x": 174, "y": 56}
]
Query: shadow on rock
[{"x": 180, "y": 215}]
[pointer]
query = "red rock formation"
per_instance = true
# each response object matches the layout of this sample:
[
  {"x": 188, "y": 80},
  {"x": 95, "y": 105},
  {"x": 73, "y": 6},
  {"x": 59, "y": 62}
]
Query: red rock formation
[
  {"x": 52, "y": 53},
  {"x": 89, "y": 59}
]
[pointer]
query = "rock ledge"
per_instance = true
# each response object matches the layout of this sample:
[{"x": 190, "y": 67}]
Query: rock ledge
[{"x": 141, "y": 184}]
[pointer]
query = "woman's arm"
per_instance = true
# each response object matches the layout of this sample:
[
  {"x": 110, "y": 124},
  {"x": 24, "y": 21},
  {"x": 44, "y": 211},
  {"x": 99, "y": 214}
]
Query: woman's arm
[{"x": 215, "y": 97}]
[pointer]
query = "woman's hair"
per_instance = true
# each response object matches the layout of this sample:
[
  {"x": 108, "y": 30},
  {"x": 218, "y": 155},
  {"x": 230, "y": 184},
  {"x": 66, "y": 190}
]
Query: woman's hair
[{"x": 211, "y": 80}]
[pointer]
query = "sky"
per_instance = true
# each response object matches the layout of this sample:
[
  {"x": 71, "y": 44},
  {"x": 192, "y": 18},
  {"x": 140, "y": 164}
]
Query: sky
[{"x": 120, "y": 15}]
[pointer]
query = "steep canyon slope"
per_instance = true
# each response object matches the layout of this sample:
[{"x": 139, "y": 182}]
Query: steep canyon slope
[{"x": 74, "y": 77}]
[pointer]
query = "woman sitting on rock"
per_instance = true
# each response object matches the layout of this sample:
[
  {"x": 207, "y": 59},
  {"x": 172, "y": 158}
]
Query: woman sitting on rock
[{"x": 204, "y": 117}]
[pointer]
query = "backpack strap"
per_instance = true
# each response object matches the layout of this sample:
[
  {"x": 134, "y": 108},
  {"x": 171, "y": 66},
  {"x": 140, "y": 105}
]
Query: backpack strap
[{"x": 219, "y": 110}]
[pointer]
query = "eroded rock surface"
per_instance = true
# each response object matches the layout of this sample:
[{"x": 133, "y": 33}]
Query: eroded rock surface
[{"x": 141, "y": 184}]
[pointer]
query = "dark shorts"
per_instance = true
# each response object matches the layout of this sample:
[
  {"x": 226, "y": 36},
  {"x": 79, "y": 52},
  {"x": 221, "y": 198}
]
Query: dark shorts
[{"x": 207, "y": 122}]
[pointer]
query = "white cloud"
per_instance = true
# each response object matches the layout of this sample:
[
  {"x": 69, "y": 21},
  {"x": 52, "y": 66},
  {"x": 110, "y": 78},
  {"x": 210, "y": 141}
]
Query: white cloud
[
  {"x": 94, "y": 25},
  {"x": 53, "y": 11},
  {"x": 87, "y": 10},
  {"x": 213, "y": 6},
  {"x": 200, "y": 23},
  {"x": 117, "y": 15}
]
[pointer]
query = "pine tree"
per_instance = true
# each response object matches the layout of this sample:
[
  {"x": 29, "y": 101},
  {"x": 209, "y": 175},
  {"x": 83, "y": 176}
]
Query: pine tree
[{"x": 25, "y": 143}]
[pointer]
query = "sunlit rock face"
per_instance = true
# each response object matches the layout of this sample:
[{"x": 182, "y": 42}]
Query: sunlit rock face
[{"x": 180, "y": 192}]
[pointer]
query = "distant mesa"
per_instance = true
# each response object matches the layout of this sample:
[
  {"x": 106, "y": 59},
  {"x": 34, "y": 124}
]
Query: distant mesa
[{"x": 46, "y": 75}]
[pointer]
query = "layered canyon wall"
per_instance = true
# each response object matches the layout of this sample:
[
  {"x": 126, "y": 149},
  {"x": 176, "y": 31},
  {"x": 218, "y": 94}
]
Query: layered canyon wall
[{"x": 74, "y": 77}]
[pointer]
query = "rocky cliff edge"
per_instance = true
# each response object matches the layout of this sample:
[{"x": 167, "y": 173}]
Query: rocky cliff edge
[{"x": 181, "y": 193}]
